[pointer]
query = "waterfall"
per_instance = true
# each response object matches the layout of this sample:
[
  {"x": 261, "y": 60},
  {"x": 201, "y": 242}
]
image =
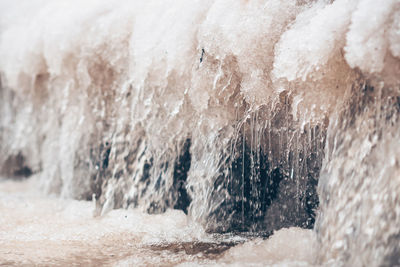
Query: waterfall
[{"x": 249, "y": 116}]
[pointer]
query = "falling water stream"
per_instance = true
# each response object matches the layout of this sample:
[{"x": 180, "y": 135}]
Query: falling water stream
[{"x": 261, "y": 132}]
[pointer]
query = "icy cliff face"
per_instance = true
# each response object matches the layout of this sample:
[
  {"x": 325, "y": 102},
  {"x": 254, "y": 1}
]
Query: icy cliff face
[{"x": 228, "y": 110}]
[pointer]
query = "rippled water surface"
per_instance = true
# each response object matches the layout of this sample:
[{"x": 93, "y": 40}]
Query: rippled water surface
[{"x": 43, "y": 230}]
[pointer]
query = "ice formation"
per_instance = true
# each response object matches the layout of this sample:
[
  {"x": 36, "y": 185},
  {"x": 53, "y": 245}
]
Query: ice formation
[{"x": 231, "y": 111}]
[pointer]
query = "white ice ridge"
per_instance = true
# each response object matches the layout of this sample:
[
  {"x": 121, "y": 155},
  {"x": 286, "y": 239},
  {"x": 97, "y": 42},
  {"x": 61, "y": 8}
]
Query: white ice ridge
[
  {"x": 269, "y": 39},
  {"x": 268, "y": 42},
  {"x": 156, "y": 46}
]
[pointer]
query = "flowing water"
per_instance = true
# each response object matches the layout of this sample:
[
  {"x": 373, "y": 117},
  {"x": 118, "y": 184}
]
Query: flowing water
[
  {"x": 260, "y": 132},
  {"x": 43, "y": 230}
]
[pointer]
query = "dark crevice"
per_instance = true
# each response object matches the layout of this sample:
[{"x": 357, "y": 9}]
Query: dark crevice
[
  {"x": 106, "y": 157},
  {"x": 100, "y": 157},
  {"x": 181, "y": 169},
  {"x": 175, "y": 196},
  {"x": 23, "y": 172},
  {"x": 271, "y": 182},
  {"x": 15, "y": 166},
  {"x": 253, "y": 187}
]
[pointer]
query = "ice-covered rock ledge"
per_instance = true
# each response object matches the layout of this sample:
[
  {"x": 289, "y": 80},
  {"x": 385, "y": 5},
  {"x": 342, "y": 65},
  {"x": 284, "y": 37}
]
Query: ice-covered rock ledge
[{"x": 232, "y": 111}]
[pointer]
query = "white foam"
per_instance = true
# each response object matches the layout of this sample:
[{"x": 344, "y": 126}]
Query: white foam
[
  {"x": 41, "y": 229},
  {"x": 286, "y": 247}
]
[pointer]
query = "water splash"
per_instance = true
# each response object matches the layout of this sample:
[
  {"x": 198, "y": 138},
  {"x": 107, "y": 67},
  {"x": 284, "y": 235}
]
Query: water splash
[{"x": 232, "y": 111}]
